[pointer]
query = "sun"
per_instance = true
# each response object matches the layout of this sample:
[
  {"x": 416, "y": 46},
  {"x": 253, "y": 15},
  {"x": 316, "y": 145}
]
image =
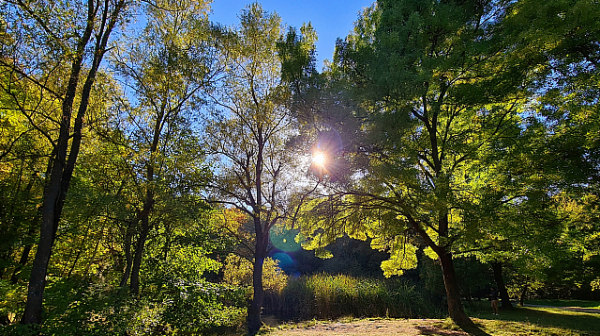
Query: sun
[{"x": 319, "y": 158}]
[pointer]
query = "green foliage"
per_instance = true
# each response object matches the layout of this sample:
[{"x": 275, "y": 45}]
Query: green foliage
[
  {"x": 297, "y": 53},
  {"x": 324, "y": 296},
  {"x": 79, "y": 308},
  {"x": 431, "y": 278},
  {"x": 401, "y": 258},
  {"x": 433, "y": 96},
  {"x": 595, "y": 284},
  {"x": 11, "y": 300},
  {"x": 202, "y": 307},
  {"x": 183, "y": 263}
]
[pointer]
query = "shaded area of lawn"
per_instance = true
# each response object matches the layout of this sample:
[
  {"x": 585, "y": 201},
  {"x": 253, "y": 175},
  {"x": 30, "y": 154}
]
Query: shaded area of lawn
[
  {"x": 541, "y": 321},
  {"x": 565, "y": 303}
]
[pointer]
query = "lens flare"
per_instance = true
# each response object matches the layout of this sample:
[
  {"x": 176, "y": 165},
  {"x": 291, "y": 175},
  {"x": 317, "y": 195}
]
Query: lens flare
[{"x": 319, "y": 158}]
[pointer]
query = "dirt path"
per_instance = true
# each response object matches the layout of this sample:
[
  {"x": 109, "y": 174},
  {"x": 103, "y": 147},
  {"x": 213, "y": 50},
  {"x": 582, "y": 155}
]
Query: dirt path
[{"x": 409, "y": 327}]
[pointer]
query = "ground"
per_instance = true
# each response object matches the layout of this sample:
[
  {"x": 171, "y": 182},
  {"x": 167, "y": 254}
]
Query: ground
[{"x": 522, "y": 321}]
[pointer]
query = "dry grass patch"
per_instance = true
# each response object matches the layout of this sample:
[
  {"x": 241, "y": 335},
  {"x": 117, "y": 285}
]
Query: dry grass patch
[{"x": 379, "y": 327}]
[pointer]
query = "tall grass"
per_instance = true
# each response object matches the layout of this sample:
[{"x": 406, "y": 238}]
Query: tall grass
[{"x": 325, "y": 296}]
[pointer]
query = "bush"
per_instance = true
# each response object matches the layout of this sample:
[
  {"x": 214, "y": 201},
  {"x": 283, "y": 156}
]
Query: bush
[
  {"x": 325, "y": 296},
  {"x": 78, "y": 308},
  {"x": 203, "y": 307}
]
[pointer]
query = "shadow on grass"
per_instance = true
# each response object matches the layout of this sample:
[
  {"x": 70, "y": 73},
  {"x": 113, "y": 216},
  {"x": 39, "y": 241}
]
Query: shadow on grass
[
  {"x": 565, "y": 303},
  {"x": 583, "y": 323}
]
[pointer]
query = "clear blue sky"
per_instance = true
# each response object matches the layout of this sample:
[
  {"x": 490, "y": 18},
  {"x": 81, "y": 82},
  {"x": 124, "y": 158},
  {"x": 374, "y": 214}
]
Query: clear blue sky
[{"x": 330, "y": 18}]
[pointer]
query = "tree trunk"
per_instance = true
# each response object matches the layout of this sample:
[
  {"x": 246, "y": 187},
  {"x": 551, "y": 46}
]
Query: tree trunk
[
  {"x": 91, "y": 262},
  {"x": 497, "y": 268},
  {"x": 14, "y": 278},
  {"x": 523, "y": 294},
  {"x": 37, "y": 279},
  {"x": 254, "y": 321},
  {"x": 9, "y": 228},
  {"x": 128, "y": 257},
  {"x": 5, "y": 260},
  {"x": 63, "y": 162},
  {"x": 134, "y": 285},
  {"x": 144, "y": 216},
  {"x": 455, "y": 307},
  {"x": 52, "y": 191},
  {"x": 167, "y": 245}
]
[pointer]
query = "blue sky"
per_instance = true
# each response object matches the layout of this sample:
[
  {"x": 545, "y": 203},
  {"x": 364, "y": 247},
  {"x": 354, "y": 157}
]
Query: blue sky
[{"x": 330, "y": 18}]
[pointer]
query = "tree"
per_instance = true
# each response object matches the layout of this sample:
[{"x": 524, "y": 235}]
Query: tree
[
  {"x": 511, "y": 210},
  {"x": 435, "y": 89},
  {"x": 75, "y": 33},
  {"x": 561, "y": 38},
  {"x": 170, "y": 65},
  {"x": 249, "y": 138}
]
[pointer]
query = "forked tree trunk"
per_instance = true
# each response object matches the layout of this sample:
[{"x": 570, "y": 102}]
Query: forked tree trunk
[
  {"x": 63, "y": 162},
  {"x": 497, "y": 268}
]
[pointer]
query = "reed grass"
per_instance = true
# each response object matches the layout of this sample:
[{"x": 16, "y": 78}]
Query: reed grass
[{"x": 324, "y": 296}]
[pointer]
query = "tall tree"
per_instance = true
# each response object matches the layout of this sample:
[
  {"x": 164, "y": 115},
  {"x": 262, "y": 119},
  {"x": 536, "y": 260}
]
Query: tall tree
[
  {"x": 76, "y": 33},
  {"x": 169, "y": 67},
  {"x": 249, "y": 137},
  {"x": 435, "y": 90}
]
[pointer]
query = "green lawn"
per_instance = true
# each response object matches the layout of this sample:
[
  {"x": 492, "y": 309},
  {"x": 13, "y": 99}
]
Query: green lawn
[
  {"x": 566, "y": 303},
  {"x": 536, "y": 321}
]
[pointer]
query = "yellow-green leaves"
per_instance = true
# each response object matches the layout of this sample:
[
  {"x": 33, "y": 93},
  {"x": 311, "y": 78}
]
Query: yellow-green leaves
[
  {"x": 403, "y": 256},
  {"x": 238, "y": 271}
]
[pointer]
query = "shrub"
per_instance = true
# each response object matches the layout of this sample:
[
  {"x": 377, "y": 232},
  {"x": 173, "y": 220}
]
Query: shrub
[
  {"x": 203, "y": 307},
  {"x": 79, "y": 308}
]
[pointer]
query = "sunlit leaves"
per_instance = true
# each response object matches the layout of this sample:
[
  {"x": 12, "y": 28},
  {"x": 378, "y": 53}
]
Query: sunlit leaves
[{"x": 238, "y": 271}]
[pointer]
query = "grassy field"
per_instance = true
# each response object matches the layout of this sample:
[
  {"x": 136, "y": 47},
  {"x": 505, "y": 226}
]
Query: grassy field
[{"x": 521, "y": 321}]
